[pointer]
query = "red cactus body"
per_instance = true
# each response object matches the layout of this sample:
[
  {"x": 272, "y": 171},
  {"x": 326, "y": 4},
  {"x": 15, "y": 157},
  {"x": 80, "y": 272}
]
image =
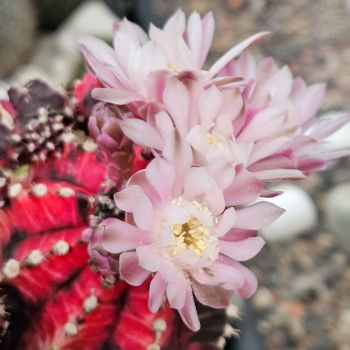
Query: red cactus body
[{"x": 50, "y": 297}]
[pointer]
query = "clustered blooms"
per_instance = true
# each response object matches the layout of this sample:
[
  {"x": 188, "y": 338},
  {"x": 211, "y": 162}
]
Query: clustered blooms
[
  {"x": 50, "y": 298},
  {"x": 214, "y": 138}
]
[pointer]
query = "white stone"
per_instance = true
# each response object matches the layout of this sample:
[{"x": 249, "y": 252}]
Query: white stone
[
  {"x": 299, "y": 217},
  {"x": 35, "y": 257},
  {"x": 14, "y": 190},
  {"x": 337, "y": 213},
  {"x": 263, "y": 299},
  {"x": 11, "y": 268},
  {"x": 61, "y": 248}
]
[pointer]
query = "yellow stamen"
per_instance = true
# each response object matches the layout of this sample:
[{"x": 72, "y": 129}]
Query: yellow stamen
[{"x": 215, "y": 138}]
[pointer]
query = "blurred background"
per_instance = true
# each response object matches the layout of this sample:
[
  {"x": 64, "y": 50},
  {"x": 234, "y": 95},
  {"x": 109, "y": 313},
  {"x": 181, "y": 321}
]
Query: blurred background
[{"x": 303, "y": 301}]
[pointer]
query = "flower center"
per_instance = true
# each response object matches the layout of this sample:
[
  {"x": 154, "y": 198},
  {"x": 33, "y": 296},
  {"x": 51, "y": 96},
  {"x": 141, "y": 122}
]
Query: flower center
[
  {"x": 192, "y": 235},
  {"x": 215, "y": 138},
  {"x": 173, "y": 68}
]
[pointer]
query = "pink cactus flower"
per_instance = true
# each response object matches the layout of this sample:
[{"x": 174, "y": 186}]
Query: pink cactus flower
[
  {"x": 273, "y": 138},
  {"x": 298, "y": 142},
  {"x": 128, "y": 71},
  {"x": 179, "y": 232}
]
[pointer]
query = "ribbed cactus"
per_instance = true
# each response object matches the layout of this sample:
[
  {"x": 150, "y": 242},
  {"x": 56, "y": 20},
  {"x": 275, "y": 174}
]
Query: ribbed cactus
[{"x": 50, "y": 297}]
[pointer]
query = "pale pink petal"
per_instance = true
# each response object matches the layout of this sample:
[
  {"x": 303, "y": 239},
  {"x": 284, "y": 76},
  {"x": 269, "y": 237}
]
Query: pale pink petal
[
  {"x": 246, "y": 66},
  {"x": 250, "y": 283},
  {"x": 311, "y": 101},
  {"x": 189, "y": 313},
  {"x": 140, "y": 179},
  {"x": 264, "y": 124},
  {"x": 120, "y": 236},
  {"x": 149, "y": 257},
  {"x": 213, "y": 296},
  {"x": 328, "y": 126},
  {"x": 310, "y": 163},
  {"x": 230, "y": 278},
  {"x": 115, "y": 96},
  {"x": 132, "y": 30},
  {"x": 175, "y": 214},
  {"x": 179, "y": 152},
  {"x": 133, "y": 200},
  {"x": 194, "y": 36},
  {"x": 224, "y": 126},
  {"x": 257, "y": 215},
  {"x": 208, "y": 26},
  {"x": 278, "y": 174},
  {"x": 141, "y": 133},
  {"x": 168, "y": 271},
  {"x": 130, "y": 270},
  {"x": 176, "y": 24},
  {"x": 245, "y": 189},
  {"x": 164, "y": 123},
  {"x": 234, "y": 52},
  {"x": 176, "y": 292},
  {"x": 334, "y": 154},
  {"x": 161, "y": 174},
  {"x": 283, "y": 82},
  {"x": 156, "y": 82},
  {"x": 225, "y": 221},
  {"x": 156, "y": 292},
  {"x": 198, "y": 183},
  {"x": 285, "y": 160},
  {"x": 209, "y": 104},
  {"x": 266, "y": 148},
  {"x": 177, "y": 99},
  {"x": 98, "y": 64},
  {"x": 242, "y": 250},
  {"x": 222, "y": 171}
]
